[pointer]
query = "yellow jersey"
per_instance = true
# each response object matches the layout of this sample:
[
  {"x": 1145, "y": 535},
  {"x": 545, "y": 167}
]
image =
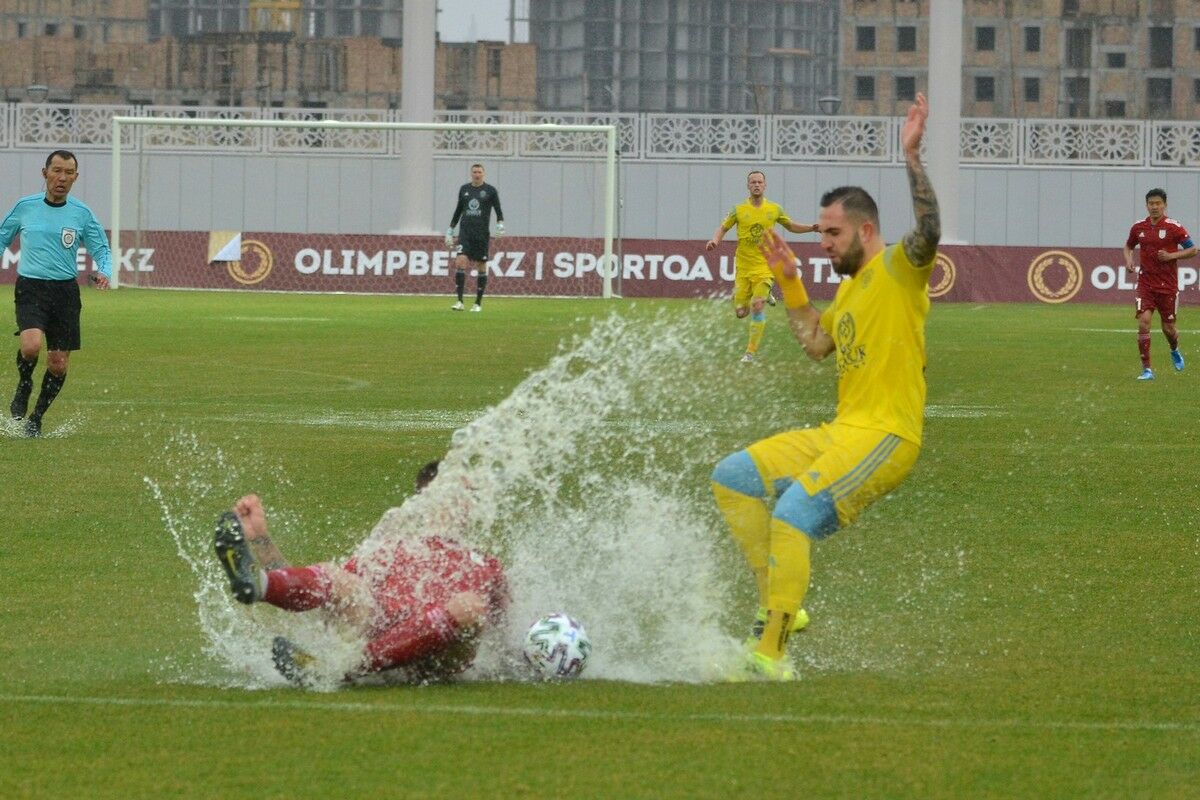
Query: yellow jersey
[
  {"x": 752, "y": 222},
  {"x": 877, "y": 321}
]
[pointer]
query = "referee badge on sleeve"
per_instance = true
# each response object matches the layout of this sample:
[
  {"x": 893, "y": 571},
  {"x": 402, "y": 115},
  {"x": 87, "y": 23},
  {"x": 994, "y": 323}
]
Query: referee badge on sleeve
[{"x": 68, "y": 237}]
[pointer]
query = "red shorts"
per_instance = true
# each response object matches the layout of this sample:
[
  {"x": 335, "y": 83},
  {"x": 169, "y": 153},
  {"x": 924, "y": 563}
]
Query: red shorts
[{"x": 1165, "y": 303}]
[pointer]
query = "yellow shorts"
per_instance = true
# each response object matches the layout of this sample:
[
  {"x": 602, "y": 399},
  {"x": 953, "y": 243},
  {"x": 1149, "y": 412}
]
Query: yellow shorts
[
  {"x": 745, "y": 286},
  {"x": 824, "y": 477}
]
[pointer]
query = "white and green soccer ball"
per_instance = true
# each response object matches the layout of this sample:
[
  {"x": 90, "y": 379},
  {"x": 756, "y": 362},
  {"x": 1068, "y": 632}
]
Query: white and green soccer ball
[{"x": 556, "y": 647}]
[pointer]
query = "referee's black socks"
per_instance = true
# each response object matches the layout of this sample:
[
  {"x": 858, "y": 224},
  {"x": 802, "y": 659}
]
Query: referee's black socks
[
  {"x": 51, "y": 385},
  {"x": 20, "y": 400},
  {"x": 25, "y": 368}
]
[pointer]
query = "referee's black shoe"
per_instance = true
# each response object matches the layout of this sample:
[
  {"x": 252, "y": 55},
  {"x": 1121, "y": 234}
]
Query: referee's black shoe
[{"x": 20, "y": 403}]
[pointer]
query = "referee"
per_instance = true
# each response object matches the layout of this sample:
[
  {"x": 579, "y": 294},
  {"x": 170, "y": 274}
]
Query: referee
[{"x": 52, "y": 226}]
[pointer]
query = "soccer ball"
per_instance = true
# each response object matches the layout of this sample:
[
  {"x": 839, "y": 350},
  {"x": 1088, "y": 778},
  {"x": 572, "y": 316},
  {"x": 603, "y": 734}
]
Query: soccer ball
[{"x": 556, "y": 647}]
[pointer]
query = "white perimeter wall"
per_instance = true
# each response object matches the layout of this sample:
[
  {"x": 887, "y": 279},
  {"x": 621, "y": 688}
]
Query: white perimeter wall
[{"x": 1080, "y": 207}]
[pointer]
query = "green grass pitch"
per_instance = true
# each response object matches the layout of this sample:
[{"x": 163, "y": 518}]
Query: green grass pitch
[{"x": 1017, "y": 620}]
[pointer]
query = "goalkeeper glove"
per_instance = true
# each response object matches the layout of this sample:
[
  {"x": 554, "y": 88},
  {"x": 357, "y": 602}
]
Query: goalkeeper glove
[
  {"x": 499, "y": 229},
  {"x": 449, "y": 237}
]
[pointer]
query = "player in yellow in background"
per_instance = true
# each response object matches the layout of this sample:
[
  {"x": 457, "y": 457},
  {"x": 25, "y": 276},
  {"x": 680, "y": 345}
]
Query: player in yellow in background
[
  {"x": 752, "y": 277},
  {"x": 821, "y": 479}
]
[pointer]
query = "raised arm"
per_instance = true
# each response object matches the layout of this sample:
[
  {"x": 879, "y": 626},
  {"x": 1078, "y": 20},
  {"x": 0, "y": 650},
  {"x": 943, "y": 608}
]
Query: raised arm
[
  {"x": 253, "y": 517},
  {"x": 920, "y": 244},
  {"x": 803, "y": 316}
]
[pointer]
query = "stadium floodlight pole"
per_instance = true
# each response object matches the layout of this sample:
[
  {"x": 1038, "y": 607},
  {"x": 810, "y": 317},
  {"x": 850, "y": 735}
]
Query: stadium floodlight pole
[{"x": 610, "y": 165}]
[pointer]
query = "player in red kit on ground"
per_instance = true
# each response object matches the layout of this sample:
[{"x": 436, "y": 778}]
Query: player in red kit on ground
[
  {"x": 419, "y": 603},
  {"x": 1162, "y": 242}
]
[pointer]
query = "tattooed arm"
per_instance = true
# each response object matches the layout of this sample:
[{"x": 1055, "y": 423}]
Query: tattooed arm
[{"x": 920, "y": 244}]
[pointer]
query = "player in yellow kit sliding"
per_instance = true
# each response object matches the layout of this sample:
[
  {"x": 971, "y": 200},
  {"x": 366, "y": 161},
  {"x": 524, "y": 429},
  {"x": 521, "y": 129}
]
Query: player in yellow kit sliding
[
  {"x": 820, "y": 479},
  {"x": 752, "y": 277}
]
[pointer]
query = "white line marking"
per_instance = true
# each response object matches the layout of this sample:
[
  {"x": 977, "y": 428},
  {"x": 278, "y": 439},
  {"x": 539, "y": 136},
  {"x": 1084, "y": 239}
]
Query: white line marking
[
  {"x": 500, "y": 711},
  {"x": 1130, "y": 331},
  {"x": 278, "y": 319},
  {"x": 438, "y": 419}
]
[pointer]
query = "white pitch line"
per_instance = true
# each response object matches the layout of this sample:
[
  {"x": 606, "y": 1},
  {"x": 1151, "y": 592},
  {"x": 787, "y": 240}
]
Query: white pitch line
[
  {"x": 278, "y": 319},
  {"x": 1130, "y": 331},
  {"x": 500, "y": 711}
]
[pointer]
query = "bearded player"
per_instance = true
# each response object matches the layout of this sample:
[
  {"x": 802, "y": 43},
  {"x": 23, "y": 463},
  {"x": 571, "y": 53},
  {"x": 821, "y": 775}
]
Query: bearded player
[
  {"x": 1162, "y": 243},
  {"x": 782, "y": 493}
]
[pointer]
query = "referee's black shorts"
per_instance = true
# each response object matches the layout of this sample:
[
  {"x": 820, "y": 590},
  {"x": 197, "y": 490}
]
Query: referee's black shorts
[
  {"x": 475, "y": 247},
  {"x": 50, "y": 306}
]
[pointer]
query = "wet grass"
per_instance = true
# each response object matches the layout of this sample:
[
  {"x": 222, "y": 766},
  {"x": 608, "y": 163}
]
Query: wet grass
[{"x": 1017, "y": 620}]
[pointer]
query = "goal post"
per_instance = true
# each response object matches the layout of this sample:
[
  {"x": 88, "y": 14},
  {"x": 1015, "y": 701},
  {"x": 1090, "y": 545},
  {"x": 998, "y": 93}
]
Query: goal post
[{"x": 548, "y": 157}]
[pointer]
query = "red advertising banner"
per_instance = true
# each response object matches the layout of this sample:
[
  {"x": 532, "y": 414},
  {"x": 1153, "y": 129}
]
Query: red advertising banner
[{"x": 573, "y": 267}]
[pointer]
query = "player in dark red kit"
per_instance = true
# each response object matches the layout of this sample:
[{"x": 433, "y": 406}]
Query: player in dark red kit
[
  {"x": 419, "y": 603},
  {"x": 1162, "y": 242}
]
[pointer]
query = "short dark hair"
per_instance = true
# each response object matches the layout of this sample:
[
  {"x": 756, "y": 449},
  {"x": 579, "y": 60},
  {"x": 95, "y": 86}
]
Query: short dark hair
[
  {"x": 64, "y": 154},
  {"x": 473, "y": 166},
  {"x": 1156, "y": 193},
  {"x": 426, "y": 474},
  {"x": 756, "y": 171},
  {"x": 856, "y": 200}
]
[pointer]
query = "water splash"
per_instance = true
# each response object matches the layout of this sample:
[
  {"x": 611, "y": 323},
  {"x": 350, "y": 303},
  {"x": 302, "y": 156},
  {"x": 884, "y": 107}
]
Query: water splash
[
  {"x": 55, "y": 429},
  {"x": 589, "y": 481}
]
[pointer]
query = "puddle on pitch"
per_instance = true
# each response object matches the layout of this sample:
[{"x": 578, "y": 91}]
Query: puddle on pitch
[{"x": 589, "y": 481}]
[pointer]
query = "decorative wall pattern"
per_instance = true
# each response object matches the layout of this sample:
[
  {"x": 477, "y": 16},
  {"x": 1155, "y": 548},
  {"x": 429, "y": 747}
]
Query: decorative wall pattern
[{"x": 642, "y": 137}]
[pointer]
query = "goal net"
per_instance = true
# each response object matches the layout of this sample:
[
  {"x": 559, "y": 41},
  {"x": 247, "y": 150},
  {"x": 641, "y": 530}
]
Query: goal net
[{"x": 289, "y": 200}]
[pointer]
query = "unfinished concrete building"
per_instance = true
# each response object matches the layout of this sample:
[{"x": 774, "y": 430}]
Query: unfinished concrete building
[{"x": 714, "y": 56}]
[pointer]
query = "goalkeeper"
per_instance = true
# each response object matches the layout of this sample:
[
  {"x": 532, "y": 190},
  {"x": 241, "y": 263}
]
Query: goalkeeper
[
  {"x": 476, "y": 200},
  {"x": 419, "y": 603},
  {"x": 821, "y": 479}
]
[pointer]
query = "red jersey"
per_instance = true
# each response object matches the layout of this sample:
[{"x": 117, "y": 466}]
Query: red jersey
[
  {"x": 1150, "y": 238},
  {"x": 418, "y": 576}
]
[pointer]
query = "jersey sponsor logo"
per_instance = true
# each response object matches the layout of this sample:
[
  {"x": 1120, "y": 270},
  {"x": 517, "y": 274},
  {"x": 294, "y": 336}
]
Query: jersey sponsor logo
[
  {"x": 473, "y": 208},
  {"x": 850, "y": 353},
  {"x": 756, "y": 232},
  {"x": 68, "y": 237},
  {"x": 1055, "y": 276}
]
